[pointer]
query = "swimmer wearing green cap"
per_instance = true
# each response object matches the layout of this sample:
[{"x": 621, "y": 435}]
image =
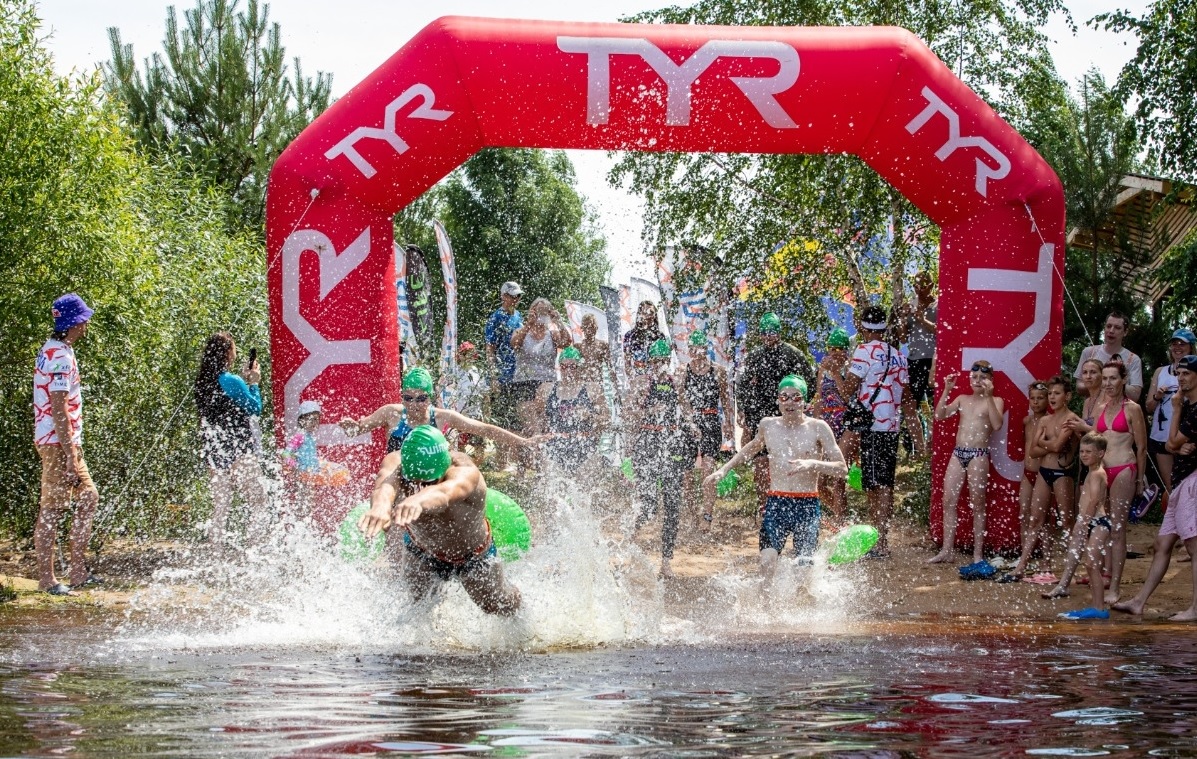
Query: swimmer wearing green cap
[
  {"x": 756, "y": 392},
  {"x": 829, "y": 405},
  {"x": 662, "y": 444},
  {"x": 416, "y": 409},
  {"x": 572, "y": 413},
  {"x": 705, "y": 388},
  {"x": 800, "y": 449},
  {"x": 438, "y": 499}
]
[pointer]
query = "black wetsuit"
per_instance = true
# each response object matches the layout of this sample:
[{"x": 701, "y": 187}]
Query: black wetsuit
[
  {"x": 663, "y": 452},
  {"x": 702, "y": 393},
  {"x": 574, "y": 419}
]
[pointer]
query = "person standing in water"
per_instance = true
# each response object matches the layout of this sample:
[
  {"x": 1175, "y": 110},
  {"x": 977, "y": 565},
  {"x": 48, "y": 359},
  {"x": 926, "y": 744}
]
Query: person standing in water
[
  {"x": 438, "y": 499},
  {"x": 662, "y": 444},
  {"x": 801, "y": 449},
  {"x": 980, "y": 414},
  {"x": 573, "y": 414},
  {"x": 704, "y": 386}
]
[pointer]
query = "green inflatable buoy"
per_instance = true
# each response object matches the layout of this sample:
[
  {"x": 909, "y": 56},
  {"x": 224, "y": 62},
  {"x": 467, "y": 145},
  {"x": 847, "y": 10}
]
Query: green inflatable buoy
[
  {"x": 854, "y": 474},
  {"x": 729, "y": 483},
  {"x": 850, "y": 543},
  {"x": 508, "y": 525},
  {"x": 352, "y": 541}
]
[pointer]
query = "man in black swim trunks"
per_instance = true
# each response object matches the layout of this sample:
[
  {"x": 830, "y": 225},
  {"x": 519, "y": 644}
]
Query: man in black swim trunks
[{"x": 438, "y": 498}]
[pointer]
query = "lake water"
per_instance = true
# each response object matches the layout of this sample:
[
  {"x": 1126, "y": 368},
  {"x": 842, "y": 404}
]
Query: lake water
[{"x": 286, "y": 650}]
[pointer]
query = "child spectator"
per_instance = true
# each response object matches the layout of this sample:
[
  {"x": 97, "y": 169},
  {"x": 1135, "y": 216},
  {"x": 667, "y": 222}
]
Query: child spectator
[
  {"x": 301, "y": 459},
  {"x": 1037, "y": 401},
  {"x": 1091, "y": 532},
  {"x": 980, "y": 414}
]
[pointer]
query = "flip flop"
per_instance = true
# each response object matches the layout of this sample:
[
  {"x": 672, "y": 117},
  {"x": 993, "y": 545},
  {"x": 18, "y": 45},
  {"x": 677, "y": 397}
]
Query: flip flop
[
  {"x": 60, "y": 589},
  {"x": 1089, "y": 613},
  {"x": 1105, "y": 580},
  {"x": 1008, "y": 578},
  {"x": 1042, "y": 578}
]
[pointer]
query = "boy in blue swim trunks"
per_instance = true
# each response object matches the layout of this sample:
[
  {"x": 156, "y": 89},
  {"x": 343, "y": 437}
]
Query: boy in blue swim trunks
[
  {"x": 438, "y": 498},
  {"x": 800, "y": 448}
]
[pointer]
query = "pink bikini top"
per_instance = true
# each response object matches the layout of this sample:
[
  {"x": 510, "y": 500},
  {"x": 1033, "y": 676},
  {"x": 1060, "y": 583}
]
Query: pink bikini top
[{"x": 1119, "y": 425}]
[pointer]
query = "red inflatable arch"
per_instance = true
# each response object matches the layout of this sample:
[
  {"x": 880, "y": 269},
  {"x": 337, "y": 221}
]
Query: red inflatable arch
[{"x": 463, "y": 84}]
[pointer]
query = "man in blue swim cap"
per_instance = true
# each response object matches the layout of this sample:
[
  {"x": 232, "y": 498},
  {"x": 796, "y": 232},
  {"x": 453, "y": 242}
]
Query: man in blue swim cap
[{"x": 438, "y": 499}]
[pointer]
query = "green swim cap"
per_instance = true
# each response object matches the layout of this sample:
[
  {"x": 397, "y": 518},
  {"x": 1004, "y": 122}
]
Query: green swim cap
[
  {"x": 698, "y": 338},
  {"x": 792, "y": 381},
  {"x": 571, "y": 354},
  {"x": 418, "y": 379},
  {"x": 660, "y": 349},
  {"x": 770, "y": 323},
  {"x": 425, "y": 454},
  {"x": 838, "y": 338}
]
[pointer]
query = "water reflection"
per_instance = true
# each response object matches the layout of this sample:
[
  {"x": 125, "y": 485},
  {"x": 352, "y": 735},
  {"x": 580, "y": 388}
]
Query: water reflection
[{"x": 883, "y": 690}]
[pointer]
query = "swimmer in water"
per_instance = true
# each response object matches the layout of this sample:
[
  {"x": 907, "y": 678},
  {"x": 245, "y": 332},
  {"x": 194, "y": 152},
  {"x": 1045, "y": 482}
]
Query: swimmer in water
[
  {"x": 438, "y": 499},
  {"x": 801, "y": 448}
]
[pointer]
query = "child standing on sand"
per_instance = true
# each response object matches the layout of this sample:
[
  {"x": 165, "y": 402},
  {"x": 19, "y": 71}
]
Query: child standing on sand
[
  {"x": 980, "y": 414},
  {"x": 1091, "y": 533},
  {"x": 1037, "y": 400}
]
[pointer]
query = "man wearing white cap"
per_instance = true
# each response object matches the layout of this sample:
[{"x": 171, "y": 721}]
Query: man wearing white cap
[{"x": 500, "y": 359}]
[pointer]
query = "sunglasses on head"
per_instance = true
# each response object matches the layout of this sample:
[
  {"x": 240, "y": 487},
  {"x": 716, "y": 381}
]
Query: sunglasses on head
[
  {"x": 982, "y": 368},
  {"x": 414, "y": 398},
  {"x": 1039, "y": 386}
]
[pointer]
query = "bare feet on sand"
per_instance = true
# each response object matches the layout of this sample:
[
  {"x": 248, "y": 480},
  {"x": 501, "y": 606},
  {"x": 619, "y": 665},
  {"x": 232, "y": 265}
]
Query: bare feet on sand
[
  {"x": 1056, "y": 592},
  {"x": 1111, "y": 598},
  {"x": 943, "y": 557},
  {"x": 1185, "y": 616},
  {"x": 1128, "y": 607}
]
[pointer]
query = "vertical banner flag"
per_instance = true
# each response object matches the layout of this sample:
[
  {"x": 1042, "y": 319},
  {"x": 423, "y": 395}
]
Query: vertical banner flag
[
  {"x": 407, "y": 330},
  {"x": 449, "y": 271},
  {"x": 417, "y": 297},
  {"x": 574, "y": 311},
  {"x": 627, "y": 312},
  {"x": 611, "y": 303}
]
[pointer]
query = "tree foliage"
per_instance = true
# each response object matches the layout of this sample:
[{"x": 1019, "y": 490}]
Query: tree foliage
[
  {"x": 221, "y": 97},
  {"x": 740, "y": 206},
  {"x": 81, "y": 210},
  {"x": 1162, "y": 78},
  {"x": 511, "y": 214}
]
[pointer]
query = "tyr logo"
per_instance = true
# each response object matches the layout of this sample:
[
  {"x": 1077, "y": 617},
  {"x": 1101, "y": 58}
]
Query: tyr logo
[
  {"x": 985, "y": 172},
  {"x": 678, "y": 78},
  {"x": 347, "y": 147}
]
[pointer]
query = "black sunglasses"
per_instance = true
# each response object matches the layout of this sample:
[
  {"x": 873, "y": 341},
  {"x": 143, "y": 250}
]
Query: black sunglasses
[{"x": 982, "y": 368}]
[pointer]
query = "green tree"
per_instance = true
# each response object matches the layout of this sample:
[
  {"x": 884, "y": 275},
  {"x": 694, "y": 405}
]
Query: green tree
[
  {"x": 81, "y": 210},
  {"x": 1162, "y": 78},
  {"x": 511, "y": 214},
  {"x": 221, "y": 97},
  {"x": 740, "y": 206}
]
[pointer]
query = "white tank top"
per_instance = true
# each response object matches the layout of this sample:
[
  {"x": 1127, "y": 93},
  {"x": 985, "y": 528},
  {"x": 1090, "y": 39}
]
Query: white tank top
[
  {"x": 1161, "y": 420},
  {"x": 536, "y": 360}
]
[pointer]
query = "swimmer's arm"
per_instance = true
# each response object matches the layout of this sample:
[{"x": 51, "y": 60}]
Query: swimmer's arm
[
  {"x": 995, "y": 407},
  {"x": 382, "y": 498},
  {"x": 944, "y": 409},
  {"x": 1176, "y": 440},
  {"x": 1139, "y": 430},
  {"x": 387, "y": 416},
  {"x": 755, "y": 446},
  {"x": 462, "y": 423},
  {"x": 1094, "y": 493},
  {"x": 456, "y": 488},
  {"x": 1038, "y": 445}
]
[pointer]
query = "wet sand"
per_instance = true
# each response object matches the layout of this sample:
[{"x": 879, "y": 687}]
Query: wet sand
[{"x": 901, "y": 587}]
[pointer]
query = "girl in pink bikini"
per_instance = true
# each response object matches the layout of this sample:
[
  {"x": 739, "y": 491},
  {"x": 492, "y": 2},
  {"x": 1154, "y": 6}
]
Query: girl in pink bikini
[{"x": 1121, "y": 421}]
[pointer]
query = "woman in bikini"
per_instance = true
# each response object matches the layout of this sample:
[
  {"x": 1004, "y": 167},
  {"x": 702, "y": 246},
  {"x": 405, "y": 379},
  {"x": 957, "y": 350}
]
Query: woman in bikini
[
  {"x": 1037, "y": 400},
  {"x": 1054, "y": 444},
  {"x": 1121, "y": 421}
]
